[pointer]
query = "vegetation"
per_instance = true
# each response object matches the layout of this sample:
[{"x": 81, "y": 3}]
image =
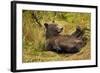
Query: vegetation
[{"x": 34, "y": 34}]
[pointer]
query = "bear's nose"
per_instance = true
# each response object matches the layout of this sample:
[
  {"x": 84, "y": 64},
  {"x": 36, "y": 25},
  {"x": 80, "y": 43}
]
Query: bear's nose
[{"x": 61, "y": 28}]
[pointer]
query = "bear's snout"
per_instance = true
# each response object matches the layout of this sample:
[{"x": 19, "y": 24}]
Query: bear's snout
[{"x": 59, "y": 28}]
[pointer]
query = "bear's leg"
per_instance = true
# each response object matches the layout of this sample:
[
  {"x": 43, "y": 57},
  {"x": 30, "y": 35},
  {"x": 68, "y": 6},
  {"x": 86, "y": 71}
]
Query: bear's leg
[{"x": 56, "y": 46}]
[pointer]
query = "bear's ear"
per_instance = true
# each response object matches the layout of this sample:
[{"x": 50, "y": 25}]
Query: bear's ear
[{"x": 46, "y": 25}]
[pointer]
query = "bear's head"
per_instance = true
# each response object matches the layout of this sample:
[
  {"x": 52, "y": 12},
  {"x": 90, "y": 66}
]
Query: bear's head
[{"x": 52, "y": 30}]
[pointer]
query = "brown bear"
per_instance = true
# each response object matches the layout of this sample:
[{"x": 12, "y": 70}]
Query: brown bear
[{"x": 63, "y": 43}]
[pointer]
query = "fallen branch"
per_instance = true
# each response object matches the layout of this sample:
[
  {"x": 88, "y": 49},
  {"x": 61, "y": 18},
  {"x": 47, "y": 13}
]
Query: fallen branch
[{"x": 36, "y": 19}]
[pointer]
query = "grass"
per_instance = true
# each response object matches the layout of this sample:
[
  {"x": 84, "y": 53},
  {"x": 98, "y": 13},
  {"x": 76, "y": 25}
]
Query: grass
[
  {"x": 43, "y": 56},
  {"x": 34, "y": 36}
]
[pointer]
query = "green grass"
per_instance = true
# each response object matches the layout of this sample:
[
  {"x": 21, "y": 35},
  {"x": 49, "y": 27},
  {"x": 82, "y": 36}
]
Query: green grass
[{"x": 34, "y": 35}]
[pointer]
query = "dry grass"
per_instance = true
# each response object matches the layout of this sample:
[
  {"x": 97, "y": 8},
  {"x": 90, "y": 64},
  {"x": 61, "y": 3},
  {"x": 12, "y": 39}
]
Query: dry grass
[{"x": 43, "y": 56}]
